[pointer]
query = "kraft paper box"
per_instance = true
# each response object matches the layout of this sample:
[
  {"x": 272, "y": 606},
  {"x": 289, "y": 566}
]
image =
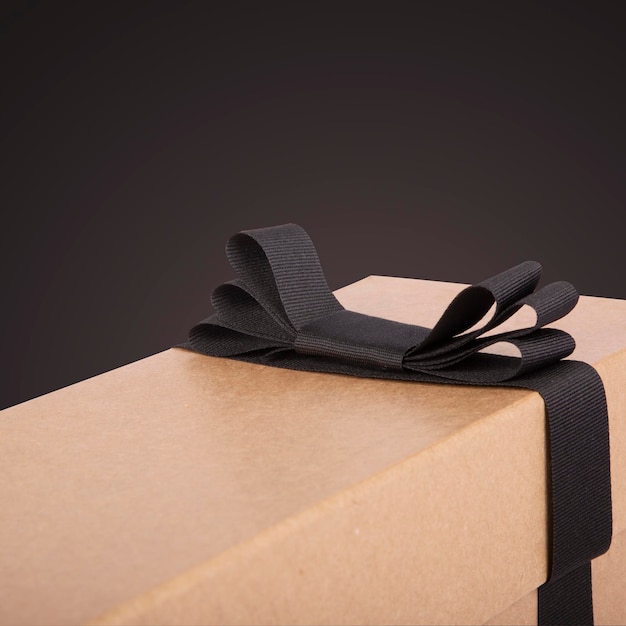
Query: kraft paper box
[{"x": 185, "y": 489}]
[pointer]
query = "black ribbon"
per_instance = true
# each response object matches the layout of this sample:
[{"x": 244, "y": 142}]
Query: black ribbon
[{"x": 280, "y": 312}]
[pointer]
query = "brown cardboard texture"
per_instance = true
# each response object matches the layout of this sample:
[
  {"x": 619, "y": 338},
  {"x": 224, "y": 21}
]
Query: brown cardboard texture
[{"x": 185, "y": 489}]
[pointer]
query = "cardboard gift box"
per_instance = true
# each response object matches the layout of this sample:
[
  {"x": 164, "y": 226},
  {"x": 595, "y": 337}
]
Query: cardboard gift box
[{"x": 185, "y": 489}]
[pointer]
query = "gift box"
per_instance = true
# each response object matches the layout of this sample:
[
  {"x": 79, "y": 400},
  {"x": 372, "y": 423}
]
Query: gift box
[{"x": 187, "y": 489}]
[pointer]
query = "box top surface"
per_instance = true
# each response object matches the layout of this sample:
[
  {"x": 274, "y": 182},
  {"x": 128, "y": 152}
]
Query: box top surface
[{"x": 124, "y": 481}]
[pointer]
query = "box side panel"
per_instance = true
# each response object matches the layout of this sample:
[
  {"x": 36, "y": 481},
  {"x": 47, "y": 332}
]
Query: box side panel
[{"x": 427, "y": 541}]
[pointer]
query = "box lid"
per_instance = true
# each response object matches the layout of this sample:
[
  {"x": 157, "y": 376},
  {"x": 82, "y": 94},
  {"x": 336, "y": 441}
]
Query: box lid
[{"x": 189, "y": 489}]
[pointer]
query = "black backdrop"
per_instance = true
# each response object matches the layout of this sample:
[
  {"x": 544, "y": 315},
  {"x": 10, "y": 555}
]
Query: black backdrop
[{"x": 433, "y": 140}]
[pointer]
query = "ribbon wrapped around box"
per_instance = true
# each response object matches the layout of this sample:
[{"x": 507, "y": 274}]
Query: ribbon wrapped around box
[
  {"x": 281, "y": 312},
  {"x": 190, "y": 489}
]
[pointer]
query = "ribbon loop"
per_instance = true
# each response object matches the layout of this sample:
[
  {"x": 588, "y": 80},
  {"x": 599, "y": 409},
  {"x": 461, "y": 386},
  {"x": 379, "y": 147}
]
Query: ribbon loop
[
  {"x": 513, "y": 284},
  {"x": 237, "y": 308},
  {"x": 282, "y": 266},
  {"x": 552, "y": 302}
]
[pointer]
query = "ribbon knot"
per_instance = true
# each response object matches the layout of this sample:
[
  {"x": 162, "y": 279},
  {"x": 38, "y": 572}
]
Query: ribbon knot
[
  {"x": 281, "y": 310},
  {"x": 357, "y": 338}
]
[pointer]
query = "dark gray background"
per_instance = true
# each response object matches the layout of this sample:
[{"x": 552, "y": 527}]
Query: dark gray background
[{"x": 432, "y": 140}]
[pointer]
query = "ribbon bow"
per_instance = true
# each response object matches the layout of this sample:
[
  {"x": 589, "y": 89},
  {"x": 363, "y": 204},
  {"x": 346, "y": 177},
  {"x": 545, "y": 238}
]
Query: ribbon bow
[{"x": 281, "y": 312}]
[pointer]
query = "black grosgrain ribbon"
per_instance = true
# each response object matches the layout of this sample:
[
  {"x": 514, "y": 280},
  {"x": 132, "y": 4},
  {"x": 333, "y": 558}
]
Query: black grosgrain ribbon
[{"x": 280, "y": 312}]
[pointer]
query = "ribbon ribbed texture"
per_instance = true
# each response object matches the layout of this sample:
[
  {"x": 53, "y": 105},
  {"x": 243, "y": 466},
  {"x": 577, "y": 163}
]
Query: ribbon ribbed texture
[{"x": 280, "y": 312}]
